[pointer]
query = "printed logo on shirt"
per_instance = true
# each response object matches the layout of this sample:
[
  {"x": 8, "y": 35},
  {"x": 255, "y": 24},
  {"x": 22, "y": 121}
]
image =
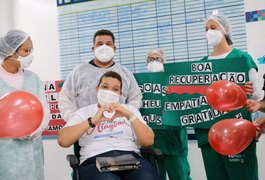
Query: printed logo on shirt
[
  {"x": 238, "y": 158},
  {"x": 109, "y": 135},
  {"x": 110, "y": 125},
  {"x": 108, "y": 129}
]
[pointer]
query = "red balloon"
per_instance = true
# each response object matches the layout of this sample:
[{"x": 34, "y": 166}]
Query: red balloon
[
  {"x": 21, "y": 114},
  {"x": 231, "y": 136},
  {"x": 225, "y": 95}
]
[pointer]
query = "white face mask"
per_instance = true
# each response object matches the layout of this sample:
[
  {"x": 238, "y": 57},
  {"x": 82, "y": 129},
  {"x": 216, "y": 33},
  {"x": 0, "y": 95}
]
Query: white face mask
[
  {"x": 214, "y": 37},
  {"x": 104, "y": 53},
  {"x": 25, "y": 61},
  {"x": 106, "y": 97},
  {"x": 155, "y": 66}
]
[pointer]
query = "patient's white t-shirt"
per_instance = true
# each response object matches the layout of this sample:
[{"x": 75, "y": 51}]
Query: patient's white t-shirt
[{"x": 105, "y": 136}]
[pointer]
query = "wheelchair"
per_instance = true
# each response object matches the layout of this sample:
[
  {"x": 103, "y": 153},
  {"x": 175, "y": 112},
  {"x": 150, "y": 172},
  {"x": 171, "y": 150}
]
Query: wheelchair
[{"x": 149, "y": 153}]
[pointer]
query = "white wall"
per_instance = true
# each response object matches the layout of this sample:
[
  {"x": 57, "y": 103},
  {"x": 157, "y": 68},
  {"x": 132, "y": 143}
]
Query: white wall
[
  {"x": 6, "y": 16},
  {"x": 39, "y": 19},
  {"x": 256, "y": 34}
]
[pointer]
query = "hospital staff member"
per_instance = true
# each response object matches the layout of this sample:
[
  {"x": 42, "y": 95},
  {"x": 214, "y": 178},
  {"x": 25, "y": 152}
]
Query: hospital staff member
[
  {"x": 244, "y": 165},
  {"x": 172, "y": 142},
  {"x": 21, "y": 158},
  {"x": 79, "y": 89},
  {"x": 254, "y": 106}
]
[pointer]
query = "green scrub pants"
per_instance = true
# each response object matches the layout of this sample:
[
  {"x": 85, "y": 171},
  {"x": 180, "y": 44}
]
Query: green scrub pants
[
  {"x": 177, "y": 168},
  {"x": 242, "y": 166}
]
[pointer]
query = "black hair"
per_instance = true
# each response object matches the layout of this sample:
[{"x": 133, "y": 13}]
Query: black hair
[
  {"x": 111, "y": 74},
  {"x": 228, "y": 39},
  {"x": 103, "y": 32}
]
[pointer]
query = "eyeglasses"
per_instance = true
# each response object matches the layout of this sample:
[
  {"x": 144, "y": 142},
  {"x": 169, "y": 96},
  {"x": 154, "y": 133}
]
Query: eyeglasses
[{"x": 151, "y": 59}]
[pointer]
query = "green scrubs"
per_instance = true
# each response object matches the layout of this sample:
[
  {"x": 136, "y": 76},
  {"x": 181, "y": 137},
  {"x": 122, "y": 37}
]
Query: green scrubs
[
  {"x": 242, "y": 166},
  {"x": 174, "y": 145}
]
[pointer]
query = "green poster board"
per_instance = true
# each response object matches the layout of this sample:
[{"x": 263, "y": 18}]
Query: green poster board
[
  {"x": 186, "y": 104},
  {"x": 152, "y": 88}
]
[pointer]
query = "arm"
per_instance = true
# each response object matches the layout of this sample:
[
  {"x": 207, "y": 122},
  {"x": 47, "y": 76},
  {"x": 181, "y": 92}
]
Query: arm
[
  {"x": 134, "y": 94},
  {"x": 66, "y": 98},
  {"x": 262, "y": 104},
  {"x": 253, "y": 106},
  {"x": 249, "y": 88},
  {"x": 65, "y": 103},
  {"x": 260, "y": 126},
  {"x": 67, "y": 136},
  {"x": 253, "y": 78},
  {"x": 144, "y": 134},
  {"x": 46, "y": 111},
  {"x": 70, "y": 134}
]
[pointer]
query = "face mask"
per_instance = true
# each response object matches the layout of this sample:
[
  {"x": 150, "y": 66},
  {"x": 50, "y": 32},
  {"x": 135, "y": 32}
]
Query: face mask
[
  {"x": 214, "y": 37},
  {"x": 104, "y": 53},
  {"x": 155, "y": 66},
  {"x": 107, "y": 97},
  {"x": 26, "y": 61}
]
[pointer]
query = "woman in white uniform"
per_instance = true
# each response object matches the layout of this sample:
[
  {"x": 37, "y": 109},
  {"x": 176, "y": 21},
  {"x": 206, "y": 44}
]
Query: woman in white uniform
[{"x": 21, "y": 158}]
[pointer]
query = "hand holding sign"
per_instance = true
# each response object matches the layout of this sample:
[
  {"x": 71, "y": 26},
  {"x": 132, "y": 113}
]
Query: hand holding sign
[
  {"x": 231, "y": 136},
  {"x": 21, "y": 114},
  {"x": 225, "y": 95}
]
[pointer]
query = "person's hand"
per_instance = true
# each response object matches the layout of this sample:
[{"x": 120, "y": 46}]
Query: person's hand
[
  {"x": 260, "y": 126},
  {"x": 252, "y": 106},
  {"x": 99, "y": 116},
  {"x": 120, "y": 111},
  {"x": 249, "y": 88},
  {"x": 37, "y": 133}
]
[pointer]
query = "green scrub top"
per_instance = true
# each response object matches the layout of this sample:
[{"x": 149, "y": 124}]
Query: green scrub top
[{"x": 202, "y": 134}]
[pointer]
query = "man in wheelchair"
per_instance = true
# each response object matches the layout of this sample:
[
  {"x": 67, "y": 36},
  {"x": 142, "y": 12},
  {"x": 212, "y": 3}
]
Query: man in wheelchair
[{"x": 109, "y": 129}]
